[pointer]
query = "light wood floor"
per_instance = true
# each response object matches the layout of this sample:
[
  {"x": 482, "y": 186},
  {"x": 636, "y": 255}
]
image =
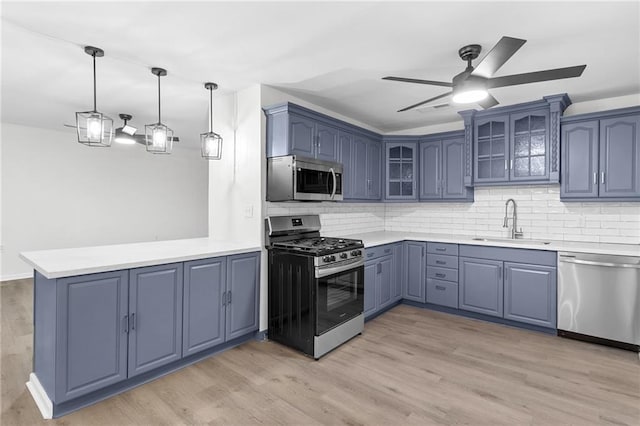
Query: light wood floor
[{"x": 411, "y": 366}]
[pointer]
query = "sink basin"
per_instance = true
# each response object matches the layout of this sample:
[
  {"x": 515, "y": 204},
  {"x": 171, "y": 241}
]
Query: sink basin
[{"x": 512, "y": 241}]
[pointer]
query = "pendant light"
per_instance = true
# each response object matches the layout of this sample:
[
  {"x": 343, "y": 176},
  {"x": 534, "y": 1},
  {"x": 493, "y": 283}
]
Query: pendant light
[
  {"x": 211, "y": 143},
  {"x": 158, "y": 137},
  {"x": 93, "y": 127}
]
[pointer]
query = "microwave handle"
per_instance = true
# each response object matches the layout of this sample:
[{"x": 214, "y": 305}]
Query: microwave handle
[{"x": 335, "y": 182}]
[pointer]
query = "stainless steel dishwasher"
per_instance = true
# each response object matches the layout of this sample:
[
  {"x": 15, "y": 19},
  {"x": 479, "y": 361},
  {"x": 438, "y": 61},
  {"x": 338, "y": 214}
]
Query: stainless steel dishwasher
[{"x": 599, "y": 299}]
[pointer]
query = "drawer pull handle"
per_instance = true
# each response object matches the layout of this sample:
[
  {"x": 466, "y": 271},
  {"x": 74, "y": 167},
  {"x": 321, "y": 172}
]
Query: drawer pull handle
[
  {"x": 441, "y": 249},
  {"x": 440, "y": 262},
  {"x": 440, "y": 275},
  {"x": 387, "y": 250},
  {"x": 439, "y": 287}
]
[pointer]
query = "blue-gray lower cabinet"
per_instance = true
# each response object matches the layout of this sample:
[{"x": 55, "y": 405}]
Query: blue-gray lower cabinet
[
  {"x": 398, "y": 262},
  {"x": 413, "y": 280},
  {"x": 382, "y": 277},
  {"x": 242, "y": 298},
  {"x": 384, "y": 281},
  {"x": 204, "y": 303},
  {"x": 369, "y": 288},
  {"x": 155, "y": 317},
  {"x": 530, "y": 294},
  {"x": 481, "y": 286},
  {"x": 92, "y": 325}
]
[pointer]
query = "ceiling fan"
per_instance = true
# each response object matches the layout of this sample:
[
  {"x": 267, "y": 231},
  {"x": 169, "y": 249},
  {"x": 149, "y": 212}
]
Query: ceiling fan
[
  {"x": 127, "y": 133},
  {"x": 472, "y": 84}
]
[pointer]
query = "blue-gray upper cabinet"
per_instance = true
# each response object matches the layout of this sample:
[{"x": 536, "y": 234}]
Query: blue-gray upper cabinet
[
  {"x": 601, "y": 158},
  {"x": 366, "y": 158},
  {"x": 481, "y": 286},
  {"x": 529, "y": 146},
  {"x": 414, "y": 278},
  {"x": 491, "y": 147},
  {"x": 442, "y": 162},
  {"x": 401, "y": 170},
  {"x": 242, "y": 298},
  {"x": 204, "y": 304},
  {"x": 530, "y": 294},
  {"x": 345, "y": 145},
  {"x": 293, "y": 130},
  {"x": 155, "y": 317},
  {"x": 92, "y": 324},
  {"x": 579, "y": 160},
  {"x": 516, "y": 144}
]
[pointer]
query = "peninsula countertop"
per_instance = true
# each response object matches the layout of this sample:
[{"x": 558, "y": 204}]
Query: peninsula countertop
[
  {"x": 372, "y": 239},
  {"x": 87, "y": 260}
]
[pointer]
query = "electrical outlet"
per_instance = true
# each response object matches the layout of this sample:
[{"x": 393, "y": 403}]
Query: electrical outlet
[{"x": 248, "y": 211}]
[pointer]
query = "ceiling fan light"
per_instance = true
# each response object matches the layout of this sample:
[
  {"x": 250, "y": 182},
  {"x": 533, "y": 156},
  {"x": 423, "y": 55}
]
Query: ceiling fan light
[
  {"x": 123, "y": 137},
  {"x": 470, "y": 96}
]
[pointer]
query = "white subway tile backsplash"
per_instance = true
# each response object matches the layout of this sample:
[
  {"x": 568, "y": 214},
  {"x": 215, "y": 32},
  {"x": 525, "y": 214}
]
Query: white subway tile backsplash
[{"x": 541, "y": 215}]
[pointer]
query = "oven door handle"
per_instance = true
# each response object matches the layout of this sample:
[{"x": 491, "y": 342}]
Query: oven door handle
[
  {"x": 321, "y": 272},
  {"x": 335, "y": 182}
]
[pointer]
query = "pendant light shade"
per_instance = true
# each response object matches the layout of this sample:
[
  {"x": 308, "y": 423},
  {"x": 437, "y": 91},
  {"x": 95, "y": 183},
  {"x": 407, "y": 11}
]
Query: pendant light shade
[
  {"x": 93, "y": 127},
  {"x": 158, "y": 137},
  {"x": 211, "y": 142}
]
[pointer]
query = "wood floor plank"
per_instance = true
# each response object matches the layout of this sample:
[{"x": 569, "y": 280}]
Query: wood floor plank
[{"x": 411, "y": 366}]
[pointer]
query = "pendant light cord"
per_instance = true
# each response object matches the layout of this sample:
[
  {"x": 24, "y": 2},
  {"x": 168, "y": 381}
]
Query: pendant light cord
[
  {"x": 211, "y": 110},
  {"x": 159, "y": 117},
  {"x": 95, "y": 108}
]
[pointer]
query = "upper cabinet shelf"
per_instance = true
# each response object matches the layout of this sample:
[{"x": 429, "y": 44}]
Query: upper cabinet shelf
[{"x": 514, "y": 145}]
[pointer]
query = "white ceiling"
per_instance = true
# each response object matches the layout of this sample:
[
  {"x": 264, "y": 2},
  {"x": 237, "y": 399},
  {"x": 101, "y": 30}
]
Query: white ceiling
[{"x": 331, "y": 54}]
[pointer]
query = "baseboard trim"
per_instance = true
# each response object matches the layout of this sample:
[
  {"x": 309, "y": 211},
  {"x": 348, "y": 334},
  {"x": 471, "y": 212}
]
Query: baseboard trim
[{"x": 40, "y": 397}]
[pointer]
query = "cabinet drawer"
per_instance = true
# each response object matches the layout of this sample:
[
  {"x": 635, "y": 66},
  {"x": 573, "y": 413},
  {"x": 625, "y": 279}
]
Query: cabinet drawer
[
  {"x": 442, "y": 248},
  {"x": 378, "y": 251},
  {"x": 442, "y": 261},
  {"x": 442, "y": 293},
  {"x": 442, "y": 273}
]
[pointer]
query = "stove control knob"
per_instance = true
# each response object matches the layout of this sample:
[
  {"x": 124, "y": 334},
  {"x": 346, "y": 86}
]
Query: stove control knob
[
  {"x": 356, "y": 253},
  {"x": 333, "y": 258},
  {"x": 343, "y": 255},
  {"x": 326, "y": 259}
]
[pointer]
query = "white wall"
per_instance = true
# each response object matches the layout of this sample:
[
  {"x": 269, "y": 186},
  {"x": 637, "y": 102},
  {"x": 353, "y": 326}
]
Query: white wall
[{"x": 57, "y": 193}]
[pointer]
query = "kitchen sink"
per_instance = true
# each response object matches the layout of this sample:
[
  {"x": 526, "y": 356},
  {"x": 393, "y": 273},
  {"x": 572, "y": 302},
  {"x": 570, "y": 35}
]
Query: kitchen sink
[{"x": 512, "y": 241}]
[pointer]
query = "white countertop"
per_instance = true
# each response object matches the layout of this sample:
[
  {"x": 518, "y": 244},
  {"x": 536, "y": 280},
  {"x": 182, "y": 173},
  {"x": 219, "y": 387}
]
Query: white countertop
[
  {"x": 88, "y": 260},
  {"x": 371, "y": 239}
]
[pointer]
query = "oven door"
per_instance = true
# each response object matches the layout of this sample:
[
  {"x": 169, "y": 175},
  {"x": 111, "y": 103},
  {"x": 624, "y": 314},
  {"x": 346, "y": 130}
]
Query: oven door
[
  {"x": 318, "y": 181},
  {"x": 339, "y": 294}
]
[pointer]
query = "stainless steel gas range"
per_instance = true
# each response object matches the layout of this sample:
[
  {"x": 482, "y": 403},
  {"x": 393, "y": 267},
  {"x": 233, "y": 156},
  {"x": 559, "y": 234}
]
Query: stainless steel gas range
[{"x": 316, "y": 285}]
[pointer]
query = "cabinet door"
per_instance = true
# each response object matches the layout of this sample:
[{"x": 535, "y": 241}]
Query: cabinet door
[
  {"x": 242, "y": 298},
  {"x": 374, "y": 162},
  {"x": 396, "y": 289},
  {"x": 370, "y": 275},
  {"x": 384, "y": 281},
  {"x": 327, "y": 137},
  {"x": 530, "y": 294},
  {"x": 415, "y": 271},
  {"x": 302, "y": 135},
  {"x": 430, "y": 172},
  {"x": 481, "y": 286},
  {"x": 620, "y": 157},
  {"x": 491, "y": 149},
  {"x": 453, "y": 169},
  {"x": 400, "y": 171},
  {"x": 346, "y": 142},
  {"x": 92, "y": 327},
  {"x": 155, "y": 317},
  {"x": 203, "y": 310},
  {"x": 360, "y": 183},
  {"x": 579, "y": 160},
  {"x": 529, "y": 146}
]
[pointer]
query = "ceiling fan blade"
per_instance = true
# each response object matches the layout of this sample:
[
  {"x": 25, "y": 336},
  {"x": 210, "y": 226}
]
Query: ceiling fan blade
[
  {"x": 415, "y": 80},
  {"x": 488, "y": 102},
  {"x": 536, "y": 76},
  {"x": 501, "y": 52},
  {"x": 424, "y": 102}
]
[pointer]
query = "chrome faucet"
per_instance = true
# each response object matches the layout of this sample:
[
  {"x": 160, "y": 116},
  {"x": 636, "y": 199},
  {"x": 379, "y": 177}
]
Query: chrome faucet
[{"x": 514, "y": 232}]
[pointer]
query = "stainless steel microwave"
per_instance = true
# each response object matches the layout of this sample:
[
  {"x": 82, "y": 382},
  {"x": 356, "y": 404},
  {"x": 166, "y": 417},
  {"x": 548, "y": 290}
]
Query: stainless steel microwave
[{"x": 293, "y": 178}]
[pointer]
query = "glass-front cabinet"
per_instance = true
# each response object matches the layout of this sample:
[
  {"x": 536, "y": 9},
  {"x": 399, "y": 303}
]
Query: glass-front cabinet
[
  {"x": 401, "y": 169},
  {"x": 529, "y": 145},
  {"x": 491, "y": 147}
]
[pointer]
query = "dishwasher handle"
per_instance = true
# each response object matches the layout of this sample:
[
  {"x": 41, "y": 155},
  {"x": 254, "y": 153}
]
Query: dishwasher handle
[{"x": 592, "y": 263}]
